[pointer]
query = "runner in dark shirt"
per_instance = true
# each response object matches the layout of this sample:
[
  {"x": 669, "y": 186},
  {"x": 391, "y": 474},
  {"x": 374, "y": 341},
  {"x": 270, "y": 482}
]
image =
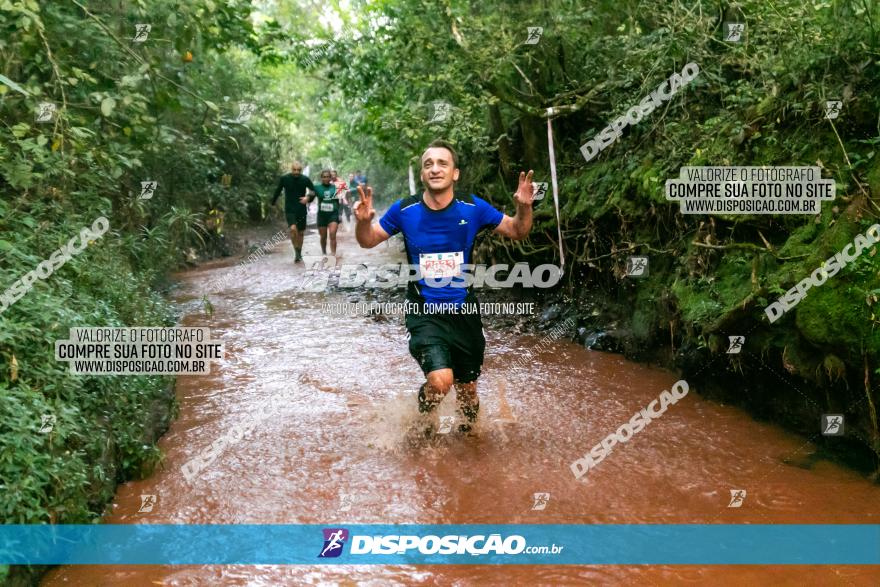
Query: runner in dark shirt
[{"x": 295, "y": 185}]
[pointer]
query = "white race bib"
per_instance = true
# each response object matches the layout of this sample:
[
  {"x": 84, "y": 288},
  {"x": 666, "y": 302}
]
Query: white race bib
[
  {"x": 440, "y": 265},
  {"x": 326, "y": 206}
]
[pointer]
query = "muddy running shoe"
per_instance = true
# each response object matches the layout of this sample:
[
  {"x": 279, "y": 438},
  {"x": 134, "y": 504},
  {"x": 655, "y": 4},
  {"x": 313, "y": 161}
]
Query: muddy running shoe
[
  {"x": 469, "y": 412},
  {"x": 425, "y": 406}
]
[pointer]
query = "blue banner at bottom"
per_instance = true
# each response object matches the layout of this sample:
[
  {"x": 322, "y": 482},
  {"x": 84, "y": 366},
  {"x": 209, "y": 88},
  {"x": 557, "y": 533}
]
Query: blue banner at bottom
[{"x": 557, "y": 544}]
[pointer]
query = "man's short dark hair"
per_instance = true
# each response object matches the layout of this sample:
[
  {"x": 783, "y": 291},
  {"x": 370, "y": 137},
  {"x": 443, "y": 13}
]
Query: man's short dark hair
[{"x": 441, "y": 144}]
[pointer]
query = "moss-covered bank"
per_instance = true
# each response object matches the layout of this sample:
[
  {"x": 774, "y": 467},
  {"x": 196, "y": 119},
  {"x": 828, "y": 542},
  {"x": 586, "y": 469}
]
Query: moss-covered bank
[{"x": 822, "y": 357}]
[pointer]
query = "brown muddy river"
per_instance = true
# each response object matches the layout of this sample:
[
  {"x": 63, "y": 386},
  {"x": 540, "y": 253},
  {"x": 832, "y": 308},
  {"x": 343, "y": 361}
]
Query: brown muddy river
[{"x": 331, "y": 449}]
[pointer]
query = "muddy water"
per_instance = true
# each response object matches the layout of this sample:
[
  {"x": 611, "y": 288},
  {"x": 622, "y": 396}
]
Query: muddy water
[{"x": 342, "y": 392}]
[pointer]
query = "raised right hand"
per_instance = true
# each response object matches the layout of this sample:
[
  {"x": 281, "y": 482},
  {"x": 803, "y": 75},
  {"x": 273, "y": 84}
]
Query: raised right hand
[{"x": 363, "y": 208}]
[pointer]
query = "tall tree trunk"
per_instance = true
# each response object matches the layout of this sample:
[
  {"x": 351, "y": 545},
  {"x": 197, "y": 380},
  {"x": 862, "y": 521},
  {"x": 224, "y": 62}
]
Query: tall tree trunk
[
  {"x": 499, "y": 134},
  {"x": 534, "y": 143}
]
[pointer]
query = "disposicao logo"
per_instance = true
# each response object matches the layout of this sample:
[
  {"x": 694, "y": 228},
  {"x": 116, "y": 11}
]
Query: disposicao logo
[{"x": 334, "y": 540}]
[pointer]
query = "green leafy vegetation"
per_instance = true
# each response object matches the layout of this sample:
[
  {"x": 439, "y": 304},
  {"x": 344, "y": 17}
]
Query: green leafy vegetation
[{"x": 125, "y": 112}]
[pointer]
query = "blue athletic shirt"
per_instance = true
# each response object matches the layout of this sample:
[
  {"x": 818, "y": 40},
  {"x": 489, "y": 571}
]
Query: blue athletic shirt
[{"x": 431, "y": 232}]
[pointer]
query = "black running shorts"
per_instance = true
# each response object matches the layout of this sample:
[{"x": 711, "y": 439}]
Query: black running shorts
[
  {"x": 325, "y": 218},
  {"x": 447, "y": 341},
  {"x": 298, "y": 219}
]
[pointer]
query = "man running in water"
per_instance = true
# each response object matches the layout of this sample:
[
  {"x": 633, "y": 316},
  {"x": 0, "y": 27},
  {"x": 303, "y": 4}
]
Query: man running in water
[
  {"x": 439, "y": 228},
  {"x": 328, "y": 211},
  {"x": 295, "y": 185}
]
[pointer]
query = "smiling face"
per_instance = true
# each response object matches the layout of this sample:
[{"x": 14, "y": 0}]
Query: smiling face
[{"x": 438, "y": 169}]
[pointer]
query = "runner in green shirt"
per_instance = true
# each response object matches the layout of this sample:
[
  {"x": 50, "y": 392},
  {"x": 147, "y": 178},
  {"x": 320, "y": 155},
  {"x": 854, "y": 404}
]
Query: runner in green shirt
[{"x": 328, "y": 211}]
